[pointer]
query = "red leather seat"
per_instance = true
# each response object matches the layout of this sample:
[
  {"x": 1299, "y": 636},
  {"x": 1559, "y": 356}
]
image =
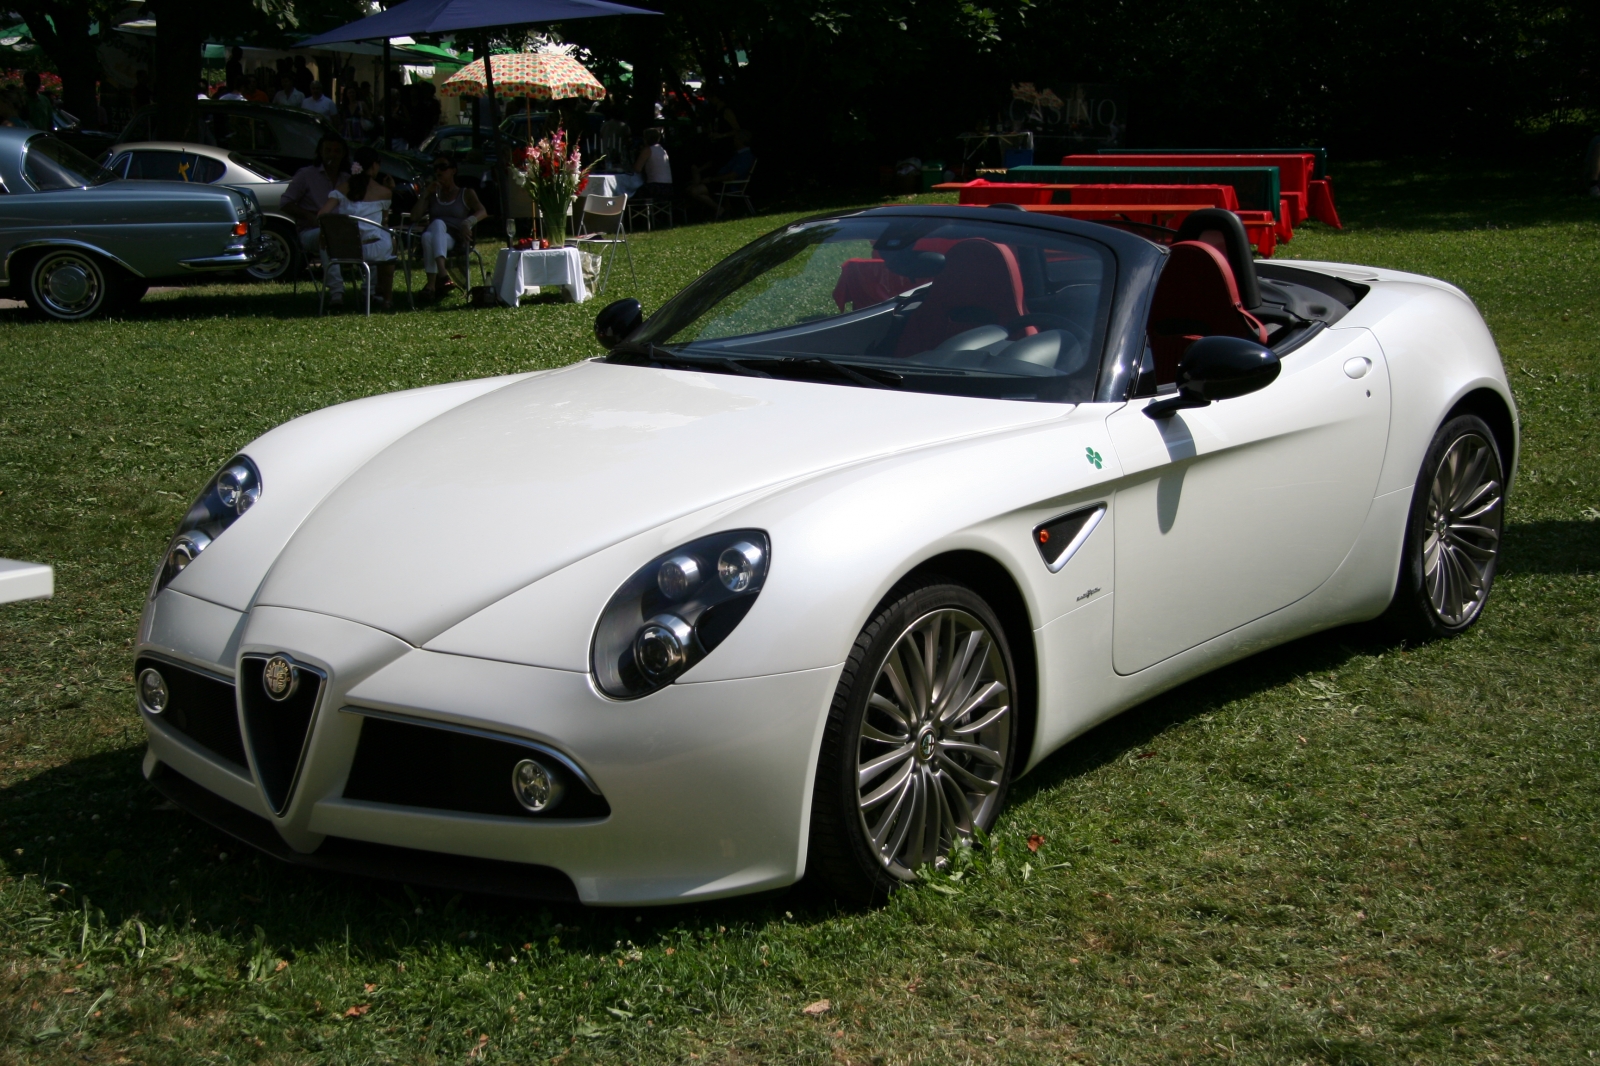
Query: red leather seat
[
  {"x": 979, "y": 285},
  {"x": 1196, "y": 297}
]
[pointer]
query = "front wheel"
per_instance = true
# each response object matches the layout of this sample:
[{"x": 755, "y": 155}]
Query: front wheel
[
  {"x": 1453, "y": 536},
  {"x": 919, "y": 745},
  {"x": 69, "y": 285}
]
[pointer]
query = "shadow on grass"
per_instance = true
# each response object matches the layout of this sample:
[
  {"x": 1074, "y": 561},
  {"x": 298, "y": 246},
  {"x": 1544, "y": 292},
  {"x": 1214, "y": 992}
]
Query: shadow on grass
[
  {"x": 1552, "y": 547},
  {"x": 1434, "y": 194}
]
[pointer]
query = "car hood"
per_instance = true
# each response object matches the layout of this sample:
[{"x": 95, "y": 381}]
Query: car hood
[{"x": 523, "y": 481}]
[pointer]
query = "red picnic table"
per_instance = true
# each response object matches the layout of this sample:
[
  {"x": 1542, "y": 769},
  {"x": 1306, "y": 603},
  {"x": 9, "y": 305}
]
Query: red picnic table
[{"x": 1305, "y": 195}]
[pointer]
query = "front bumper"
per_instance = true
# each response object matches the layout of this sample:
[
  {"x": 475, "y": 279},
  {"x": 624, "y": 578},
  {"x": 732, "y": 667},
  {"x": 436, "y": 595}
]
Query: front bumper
[
  {"x": 231, "y": 261},
  {"x": 708, "y": 785}
]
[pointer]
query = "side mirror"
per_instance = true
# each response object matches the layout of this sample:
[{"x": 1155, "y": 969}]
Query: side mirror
[
  {"x": 616, "y": 322},
  {"x": 1218, "y": 368}
]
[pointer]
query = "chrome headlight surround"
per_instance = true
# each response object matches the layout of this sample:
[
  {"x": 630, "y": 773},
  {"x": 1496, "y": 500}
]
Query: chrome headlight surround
[
  {"x": 675, "y": 610},
  {"x": 230, "y": 493}
]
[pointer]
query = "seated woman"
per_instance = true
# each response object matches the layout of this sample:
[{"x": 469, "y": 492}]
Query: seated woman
[
  {"x": 452, "y": 212},
  {"x": 364, "y": 195},
  {"x": 655, "y": 167}
]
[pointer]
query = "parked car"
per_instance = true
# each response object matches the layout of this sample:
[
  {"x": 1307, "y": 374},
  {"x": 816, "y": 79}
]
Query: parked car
[
  {"x": 209, "y": 165},
  {"x": 283, "y": 137},
  {"x": 75, "y": 240},
  {"x": 947, "y": 487}
]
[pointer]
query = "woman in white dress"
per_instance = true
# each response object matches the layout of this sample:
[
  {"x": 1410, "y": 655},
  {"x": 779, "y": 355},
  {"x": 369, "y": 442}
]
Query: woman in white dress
[{"x": 364, "y": 195}]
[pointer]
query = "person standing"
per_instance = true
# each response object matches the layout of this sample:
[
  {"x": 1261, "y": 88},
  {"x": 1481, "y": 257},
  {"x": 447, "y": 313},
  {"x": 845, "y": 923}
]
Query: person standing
[
  {"x": 287, "y": 95},
  {"x": 302, "y": 75},
  {"x": 40, "y": 112},
  {"x": 309, "y": 190},
  {"x": 322, "y": 105}
]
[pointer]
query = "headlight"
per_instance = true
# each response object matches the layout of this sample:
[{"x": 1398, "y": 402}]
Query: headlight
[
  {"x": 230, "y": 494},
  {"x": 675, "y": 610}
]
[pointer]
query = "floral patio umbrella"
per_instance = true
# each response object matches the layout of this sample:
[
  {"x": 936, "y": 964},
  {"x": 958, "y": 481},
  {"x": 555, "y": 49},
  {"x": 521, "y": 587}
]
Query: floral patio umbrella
[{"x": 536, "y": 75}]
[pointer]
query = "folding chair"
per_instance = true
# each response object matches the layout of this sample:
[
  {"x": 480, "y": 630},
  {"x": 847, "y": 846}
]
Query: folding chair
[
  {"x": 341, "y": 242},
  {"x": 648, "y": 208},
  {"x": 458, "y": 265},
  {"x": 604, "y": 223},
  {"x": 737, "y": 190}
]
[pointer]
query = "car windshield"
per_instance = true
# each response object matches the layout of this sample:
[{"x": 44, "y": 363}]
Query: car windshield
[
  {"x": 53, "y": 164},
  {"x": 929, "y": 304}
]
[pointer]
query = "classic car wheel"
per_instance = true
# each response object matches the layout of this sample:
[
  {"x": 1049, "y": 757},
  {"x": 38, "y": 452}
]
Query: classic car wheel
[
  {"x": 68, "y": 284},
  {"x": 918, "y": 746},
  {"x": 277, "y": 256},
  {"x": 1453, "y": 535}
]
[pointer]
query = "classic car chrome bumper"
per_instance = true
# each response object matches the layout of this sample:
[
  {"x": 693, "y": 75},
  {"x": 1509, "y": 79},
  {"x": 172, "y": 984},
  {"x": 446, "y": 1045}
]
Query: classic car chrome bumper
[{"x": 220, "y": 262}]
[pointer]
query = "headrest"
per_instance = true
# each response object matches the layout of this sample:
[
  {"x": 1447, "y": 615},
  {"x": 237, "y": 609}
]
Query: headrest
[{"x": 1222, "y": 230}]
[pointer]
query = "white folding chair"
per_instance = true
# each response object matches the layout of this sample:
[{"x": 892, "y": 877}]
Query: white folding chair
[{"x": 604, "y": 222}]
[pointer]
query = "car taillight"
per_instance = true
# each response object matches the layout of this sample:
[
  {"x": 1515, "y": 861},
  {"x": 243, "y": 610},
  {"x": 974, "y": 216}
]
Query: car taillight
[{"x": 241, "y": 229}]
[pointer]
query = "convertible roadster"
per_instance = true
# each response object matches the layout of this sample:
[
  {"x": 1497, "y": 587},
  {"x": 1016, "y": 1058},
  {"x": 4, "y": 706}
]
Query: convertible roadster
[{"x": 803, "y": 572}]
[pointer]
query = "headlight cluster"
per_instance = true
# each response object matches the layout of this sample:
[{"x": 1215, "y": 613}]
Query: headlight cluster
[
  {"x": 675, "y": 610},
  {"x": 230, "y": 494}
]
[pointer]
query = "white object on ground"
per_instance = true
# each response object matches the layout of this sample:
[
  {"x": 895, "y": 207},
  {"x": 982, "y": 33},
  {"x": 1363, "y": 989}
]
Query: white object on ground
[
  {"x": 25, "y": 581},
  {"x": 520, "y": 273}
]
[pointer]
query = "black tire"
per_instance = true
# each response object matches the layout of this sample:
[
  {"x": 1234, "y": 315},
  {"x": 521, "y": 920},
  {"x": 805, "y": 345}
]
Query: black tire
[
  {"x": 69, "y": 284},
  {"x": 842, "y": 854},
  {"x": 280, "y": 249},
  {"x": 1460, "y": 497}
]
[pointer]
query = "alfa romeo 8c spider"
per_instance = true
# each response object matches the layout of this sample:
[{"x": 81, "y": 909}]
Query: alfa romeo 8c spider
[{"x": 815, "y": 560}]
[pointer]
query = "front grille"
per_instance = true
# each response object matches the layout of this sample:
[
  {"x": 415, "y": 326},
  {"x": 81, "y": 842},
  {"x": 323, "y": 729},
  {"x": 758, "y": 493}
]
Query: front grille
[
  {"x": 199, "y": 707},
  {"x": 413, "y": 764},
  {"x": 277, "y": 730}
]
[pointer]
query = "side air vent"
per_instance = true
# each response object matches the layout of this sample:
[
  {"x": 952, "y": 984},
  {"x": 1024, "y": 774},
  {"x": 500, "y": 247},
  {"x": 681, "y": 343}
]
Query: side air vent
[
  {"x": 414, "y": 763},
  {"x": 199, "y": 706},
  {"x": 1060, "y": 538},
  {"x": 279, "y": 696}
]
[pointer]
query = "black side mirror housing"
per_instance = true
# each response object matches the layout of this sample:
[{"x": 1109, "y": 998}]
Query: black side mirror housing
[
  {"x": 616, "y": 322},
  {"x": 1218, "y": 368}
]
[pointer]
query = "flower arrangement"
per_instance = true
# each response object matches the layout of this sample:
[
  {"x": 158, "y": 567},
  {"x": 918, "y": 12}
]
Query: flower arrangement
[
  {"x": 555, "y": 178},
  {"x": 48, "y": 82}
]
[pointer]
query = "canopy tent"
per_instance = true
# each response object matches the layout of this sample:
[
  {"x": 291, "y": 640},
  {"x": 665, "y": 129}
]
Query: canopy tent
[
  {"x": 416, "y": 17},
  {"x": 452, "y": 16}
]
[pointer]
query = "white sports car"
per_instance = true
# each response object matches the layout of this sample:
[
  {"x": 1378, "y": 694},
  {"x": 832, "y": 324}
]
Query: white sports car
[{"x": 822, "y": 555}]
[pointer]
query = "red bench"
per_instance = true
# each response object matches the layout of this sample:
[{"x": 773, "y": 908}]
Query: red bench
[{"x": 1305, "y": 195}]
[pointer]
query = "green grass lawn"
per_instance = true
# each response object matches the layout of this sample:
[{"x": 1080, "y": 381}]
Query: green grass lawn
[{"x": 1340, "y": 851}]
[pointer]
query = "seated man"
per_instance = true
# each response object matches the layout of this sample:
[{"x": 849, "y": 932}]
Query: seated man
[
  {"x": 308, "y": 191},
  {"x": 735, "y": 169},
  {"x": 655, "y": 167}
]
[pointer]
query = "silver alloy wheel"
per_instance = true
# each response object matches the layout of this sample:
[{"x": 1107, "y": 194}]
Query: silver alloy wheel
[
  {"x": 276, "y": 256},
  {"x": 68, "y": 284},
  {"x": 1462, "y": 536},
  {"x": 935, "y": 741}
]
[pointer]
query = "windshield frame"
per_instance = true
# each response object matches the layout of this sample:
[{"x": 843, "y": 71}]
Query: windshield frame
[
  {"x": 96, "y": 176},
  {"x": 699, "y": 298}
]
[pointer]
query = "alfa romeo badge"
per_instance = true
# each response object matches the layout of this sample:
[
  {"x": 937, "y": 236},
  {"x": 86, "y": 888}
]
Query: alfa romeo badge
[{"x": 280, "y": 678}]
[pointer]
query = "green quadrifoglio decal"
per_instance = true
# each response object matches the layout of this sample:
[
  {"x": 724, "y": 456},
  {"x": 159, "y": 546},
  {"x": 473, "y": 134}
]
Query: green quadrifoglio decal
[{"x": 1093, "y": 456}]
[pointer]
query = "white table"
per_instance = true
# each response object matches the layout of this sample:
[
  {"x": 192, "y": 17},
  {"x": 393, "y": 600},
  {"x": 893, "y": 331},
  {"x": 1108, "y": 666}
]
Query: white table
[
  {"x": 521, "y": 273},
  {"x": 601, "y": 185},
  {"x": 25, "y": 581}
]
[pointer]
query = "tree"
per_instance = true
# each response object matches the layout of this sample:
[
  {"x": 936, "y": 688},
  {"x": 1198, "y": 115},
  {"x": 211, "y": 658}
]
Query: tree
[{"x": 61, "y": 29}]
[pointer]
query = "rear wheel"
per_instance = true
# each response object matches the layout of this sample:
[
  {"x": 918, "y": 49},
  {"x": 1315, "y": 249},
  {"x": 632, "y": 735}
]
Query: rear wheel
[
  {"x": 918, "y": 749},
  {"x": 69, "y": 284},
  {"x": 277, "y": 255},
  {"x": 1452, "y": 540}
]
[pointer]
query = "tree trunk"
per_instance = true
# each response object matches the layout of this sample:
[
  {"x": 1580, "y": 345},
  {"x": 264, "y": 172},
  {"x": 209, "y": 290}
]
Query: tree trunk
[
  {"x": 64, "y": 36},
  {"x": 180, "y": 34}
]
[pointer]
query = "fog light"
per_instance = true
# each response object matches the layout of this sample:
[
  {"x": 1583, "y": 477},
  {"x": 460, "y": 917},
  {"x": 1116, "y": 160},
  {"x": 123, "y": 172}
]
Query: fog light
[
  {"x": 535, "y": 787},
  {"x": 737, "y": 566},
  {"x": 662, "y": 645},
  {"x": 153, "y": 695}
]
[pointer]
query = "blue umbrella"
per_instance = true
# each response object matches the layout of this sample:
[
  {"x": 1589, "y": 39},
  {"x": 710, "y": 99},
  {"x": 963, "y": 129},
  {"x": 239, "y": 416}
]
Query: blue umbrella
[{"x": 445, "y": 16}]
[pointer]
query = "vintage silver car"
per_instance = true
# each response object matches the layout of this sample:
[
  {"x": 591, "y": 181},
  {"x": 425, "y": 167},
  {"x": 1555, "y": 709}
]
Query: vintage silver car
[
  {"x": 75, "y": 241},
  {"x": 207, "y": 164}
]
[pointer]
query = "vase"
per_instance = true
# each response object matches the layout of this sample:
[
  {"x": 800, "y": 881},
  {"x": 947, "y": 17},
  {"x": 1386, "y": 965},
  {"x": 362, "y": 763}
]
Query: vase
[{"x": 553, "y": 220}]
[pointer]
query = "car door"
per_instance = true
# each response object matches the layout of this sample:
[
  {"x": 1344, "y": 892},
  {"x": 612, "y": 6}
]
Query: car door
[{"x": 1230, "y": 512}]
